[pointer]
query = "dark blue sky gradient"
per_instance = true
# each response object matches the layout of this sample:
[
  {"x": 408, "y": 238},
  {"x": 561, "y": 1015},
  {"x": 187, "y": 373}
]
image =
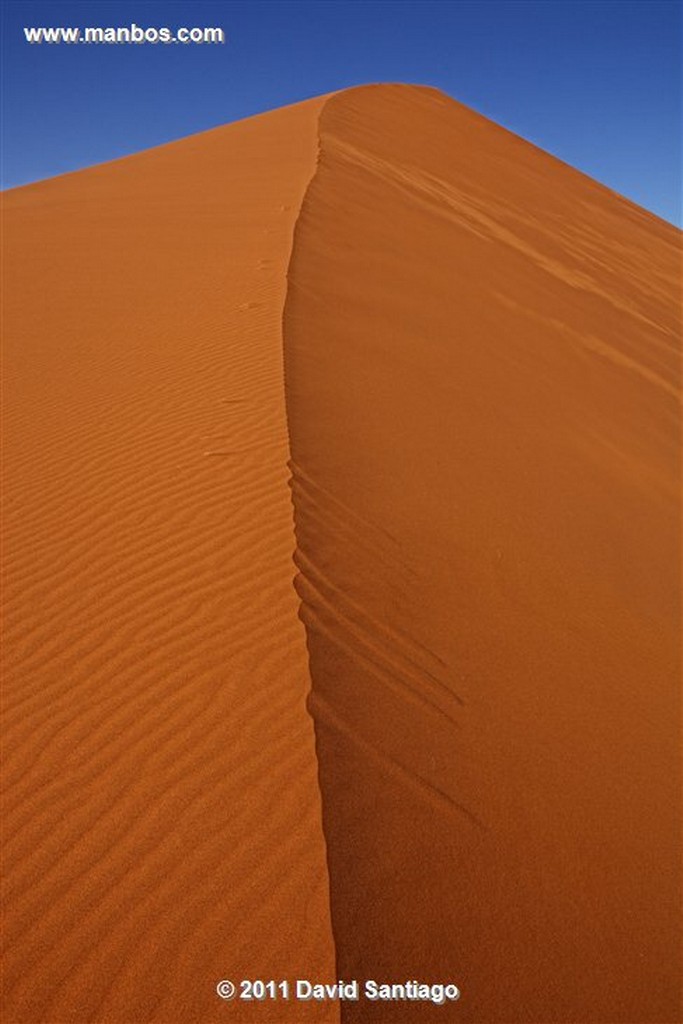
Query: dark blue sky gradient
[{"x": 596, "y": 82}]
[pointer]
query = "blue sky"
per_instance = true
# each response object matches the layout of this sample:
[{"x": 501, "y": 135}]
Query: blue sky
[{"x": 596, "y": 82}]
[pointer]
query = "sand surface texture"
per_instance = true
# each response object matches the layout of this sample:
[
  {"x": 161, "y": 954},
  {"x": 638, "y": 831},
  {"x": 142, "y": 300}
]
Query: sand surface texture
[
  {"x": 161, "y": 811},
  {"x": 481, "y": 374},
  {"x": 341, "y": 577}
]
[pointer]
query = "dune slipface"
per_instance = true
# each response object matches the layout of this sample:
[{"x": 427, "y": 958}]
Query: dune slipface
[
  {"x": 161, "y": 809},
  {"x": 481, "y": 376}
]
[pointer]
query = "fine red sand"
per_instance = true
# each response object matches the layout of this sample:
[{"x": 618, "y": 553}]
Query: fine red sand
[
  {"x": 481, "y": 374},
  {"x": 463, "y": 353},
  {"x": 161, "y": 810}
]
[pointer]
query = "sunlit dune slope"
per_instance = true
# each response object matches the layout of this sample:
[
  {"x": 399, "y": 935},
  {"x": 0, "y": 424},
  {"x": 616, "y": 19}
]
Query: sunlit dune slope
[
  {"x": 161, "y": 811},
  {"x": 481, "y": 377}
]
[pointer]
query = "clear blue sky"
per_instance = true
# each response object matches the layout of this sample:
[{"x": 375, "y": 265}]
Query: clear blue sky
[{"x": 596, "y": 82}]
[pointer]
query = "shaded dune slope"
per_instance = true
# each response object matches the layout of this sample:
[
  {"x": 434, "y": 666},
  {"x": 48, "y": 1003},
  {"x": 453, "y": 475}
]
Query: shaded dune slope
[
  {"x": 481, "y": 381},
  {"x": 161, "y": 809}
]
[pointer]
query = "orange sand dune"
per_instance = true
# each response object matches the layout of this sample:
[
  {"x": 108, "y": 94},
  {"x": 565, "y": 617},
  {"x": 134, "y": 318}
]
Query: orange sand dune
[
  {"x": 462, "y": 355},
  {"x": 481, "y": 374},
  {"x": 162, "y": 813}
]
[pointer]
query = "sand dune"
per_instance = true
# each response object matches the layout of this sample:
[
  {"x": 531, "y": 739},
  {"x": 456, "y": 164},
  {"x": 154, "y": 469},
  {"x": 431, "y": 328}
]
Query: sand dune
[
  {"x": 162, "y": 812},
  {"x": 481, "y": 370},
  {"x": 369, "y": 402}
]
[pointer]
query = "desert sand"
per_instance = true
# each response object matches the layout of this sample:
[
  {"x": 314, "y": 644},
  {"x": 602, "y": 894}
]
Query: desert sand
[
  {"x": 341, "y": 584},
  {"x": 162, "y": 810}
]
